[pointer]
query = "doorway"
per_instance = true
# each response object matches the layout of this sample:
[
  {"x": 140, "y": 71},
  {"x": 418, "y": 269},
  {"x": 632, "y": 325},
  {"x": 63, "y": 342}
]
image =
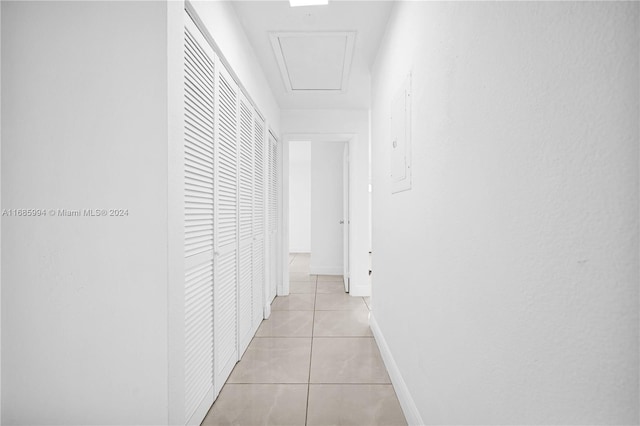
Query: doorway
[{"x": 317, "y": 206}]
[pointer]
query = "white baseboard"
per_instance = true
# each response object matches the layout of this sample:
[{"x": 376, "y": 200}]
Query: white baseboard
[
  {"x": 325, "y": 270},
  {"x": 409, "y": 408},
  {"x": 298, "y": 250},
  {"x": 360, "y": 290}
]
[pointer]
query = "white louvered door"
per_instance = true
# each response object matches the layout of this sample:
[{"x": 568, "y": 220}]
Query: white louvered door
[
  {"x": 258, "y": 222},
  {"x": 245, "y": 223},
  {"x": 273, "y": 216},
  {"x": 231, "y": 196},
  {"x": 199, "y": 83},
  {"x": 226, "y": 227}
]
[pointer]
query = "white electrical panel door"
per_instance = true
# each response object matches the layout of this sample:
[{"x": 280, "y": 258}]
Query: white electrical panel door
[
  {"x": 226, "y": 226},
  {"x": 273, "y": 193},
  {"x": 258, "y": 261},
  {"x": 199, "y": 83},
  {"x": 245, "y": 224},
  {"x": 401, "y": 139}
]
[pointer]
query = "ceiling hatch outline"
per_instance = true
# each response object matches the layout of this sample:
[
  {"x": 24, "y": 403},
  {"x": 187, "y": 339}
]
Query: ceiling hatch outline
[{"x": 293, "y": 78}]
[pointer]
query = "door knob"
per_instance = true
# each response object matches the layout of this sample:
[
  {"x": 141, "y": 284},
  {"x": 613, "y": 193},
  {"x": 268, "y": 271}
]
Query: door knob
[{"x": 342, "y": 222}]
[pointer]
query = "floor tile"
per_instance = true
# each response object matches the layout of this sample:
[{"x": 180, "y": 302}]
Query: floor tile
[
  {"x": 354, "y": 405},
  {"x": 342, "y": 323},
  {"x": 302, "y": 255},
  {"x": 274, "y": 360},
  {"x": 294, "y": 302},
  {"x": 259, "y": 404},
  {"x": 298, "y": 268},
  {"x": 349, "y": 383},
  {"x": 330, "y": 287},
  {"x": 300, "y": 264},
  {"x": 330, "y": 278},
  {"x": 287, "y": 324},
  {"x": 302, "y": 287},
  {"x": 302, "y": 276},
  {"x": 338, "y": 302},
  {"x": 347, "y": 360}
]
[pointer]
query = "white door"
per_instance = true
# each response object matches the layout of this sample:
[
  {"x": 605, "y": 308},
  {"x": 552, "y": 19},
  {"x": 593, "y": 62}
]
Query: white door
[
  {"x": 273, "y": 217},
  {"x": 345, "y": 216},
  {"x": 258, "y": 259},
  {"x": 226, "y": 227},
  {"x": 245, "y": 224},
  {"x": 199, "y": 83}
]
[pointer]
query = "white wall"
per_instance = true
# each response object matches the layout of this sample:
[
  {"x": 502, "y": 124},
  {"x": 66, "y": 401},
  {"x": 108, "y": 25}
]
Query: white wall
[
  {"x": 300, "y": 197},
  {"x": 84, "y": 299},
  {"x": 222, "y": 23},
  {"x": 506, "y": 280},
  {"x": 327, "y": 208},
  {"x": 316, "y": 123}
]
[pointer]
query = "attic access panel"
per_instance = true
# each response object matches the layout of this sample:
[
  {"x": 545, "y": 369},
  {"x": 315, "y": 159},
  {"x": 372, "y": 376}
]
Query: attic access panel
[{"x": 314, "y": 61}]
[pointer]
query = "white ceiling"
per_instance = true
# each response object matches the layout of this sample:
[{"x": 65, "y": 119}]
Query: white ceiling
[{"x": 318, "y": 60}]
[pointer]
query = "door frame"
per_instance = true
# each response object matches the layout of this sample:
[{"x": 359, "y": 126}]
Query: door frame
[
  {"x": 346, "y": 217},
  {"x": 350, "y": 140}
]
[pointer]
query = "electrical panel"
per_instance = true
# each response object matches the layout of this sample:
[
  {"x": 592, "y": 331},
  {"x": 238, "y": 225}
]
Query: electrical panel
[{"x": 401, "y": 139}]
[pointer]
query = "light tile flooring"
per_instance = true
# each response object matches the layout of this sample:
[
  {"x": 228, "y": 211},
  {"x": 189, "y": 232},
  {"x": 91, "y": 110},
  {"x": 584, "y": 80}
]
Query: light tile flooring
[{"x": 313, "y": 362}]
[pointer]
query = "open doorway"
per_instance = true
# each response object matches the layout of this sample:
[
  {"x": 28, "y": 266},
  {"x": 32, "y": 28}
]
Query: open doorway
[{"x": 318, "y": 212}]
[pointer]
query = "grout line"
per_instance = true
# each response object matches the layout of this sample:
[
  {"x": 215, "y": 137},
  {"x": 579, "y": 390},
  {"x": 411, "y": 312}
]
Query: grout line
[
  {"x": 354, "y": 383},
  {"x": 304, "y": 383},
  {"x": 314, "y": 337},
  {"x": 283, "y": 383},
  {"x": 313, "y": 326},
  {"x": 285, "y": 337},
  {"x": 311, "y": 310},
  {"x": 343, "y": 337},
  {"x": 324, "y": 310}
]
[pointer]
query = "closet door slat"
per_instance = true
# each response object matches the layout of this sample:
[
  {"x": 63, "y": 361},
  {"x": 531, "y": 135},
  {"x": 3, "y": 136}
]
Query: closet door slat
[
  {"x": 245, "y": 223},
  {"x": 226, "y": 226},
  {"x": 199, "y": 67}
]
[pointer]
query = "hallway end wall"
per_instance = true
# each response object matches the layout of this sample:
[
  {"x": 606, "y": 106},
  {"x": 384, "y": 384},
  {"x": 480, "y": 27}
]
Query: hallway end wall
[
  {"x": 317, "y": 122},
  {"x": 300, "y": 197},
  {"x": 505, "y": 281}
]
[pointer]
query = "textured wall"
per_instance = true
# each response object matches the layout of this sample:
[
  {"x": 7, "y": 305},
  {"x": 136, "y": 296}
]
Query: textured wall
[
  {"x": 84, "y": 299},
  {"x": 300, "y": 197},
  {"x": 506, "y": 280}
]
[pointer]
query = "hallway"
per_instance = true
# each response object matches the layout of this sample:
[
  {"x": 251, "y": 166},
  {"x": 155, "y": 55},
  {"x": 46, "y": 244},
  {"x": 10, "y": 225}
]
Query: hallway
[
  {"x": 313, "y": 362},
  {"x": 151, "y": 154}
]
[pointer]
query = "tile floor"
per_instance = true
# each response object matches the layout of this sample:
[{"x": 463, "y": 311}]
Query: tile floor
[{"x": 313, "y": 362}]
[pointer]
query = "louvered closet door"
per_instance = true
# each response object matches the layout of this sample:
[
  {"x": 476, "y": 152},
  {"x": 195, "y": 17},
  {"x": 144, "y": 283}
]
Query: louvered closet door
[
  {"x": 259, "y": 179},
  {"x": 198, "y": 222},
  {"x": 226, "y": 226},
  {"x": 273, "y": 216},
  {"x": 245, "y": 223}
]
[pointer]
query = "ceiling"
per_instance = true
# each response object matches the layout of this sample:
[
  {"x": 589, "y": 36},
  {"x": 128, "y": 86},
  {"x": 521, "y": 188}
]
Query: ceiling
[{"x": 316, "y": 57}]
